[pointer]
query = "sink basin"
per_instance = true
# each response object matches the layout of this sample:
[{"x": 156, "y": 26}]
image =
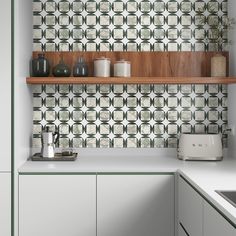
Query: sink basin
[{"x": 230, "y": 196}]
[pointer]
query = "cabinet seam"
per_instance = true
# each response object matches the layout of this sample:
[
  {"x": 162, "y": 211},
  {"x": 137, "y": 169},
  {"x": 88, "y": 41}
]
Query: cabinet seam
[{"x": 96, "y": 205}]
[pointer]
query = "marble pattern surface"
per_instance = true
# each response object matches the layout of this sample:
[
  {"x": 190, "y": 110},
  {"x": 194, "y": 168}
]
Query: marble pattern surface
[{"x": 128, "y": 115}]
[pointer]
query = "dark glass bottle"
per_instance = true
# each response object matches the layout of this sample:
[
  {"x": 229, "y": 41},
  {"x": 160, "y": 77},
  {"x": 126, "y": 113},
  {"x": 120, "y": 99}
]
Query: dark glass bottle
[
  {"x": 61, "y": 69},
  {"x": 80, "y": 69},
  {"x": 40, "y": 66}
]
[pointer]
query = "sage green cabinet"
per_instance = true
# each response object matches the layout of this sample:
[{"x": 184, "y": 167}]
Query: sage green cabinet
[
  {"x": 5, "y": 204},
  {"x": 196, "y": 217},
  {"x": 57, "y": 205},
  {"x": 215, "y": 224},
  {"x": 135, "y": 205},
  {"x": 190, "y": 208}
]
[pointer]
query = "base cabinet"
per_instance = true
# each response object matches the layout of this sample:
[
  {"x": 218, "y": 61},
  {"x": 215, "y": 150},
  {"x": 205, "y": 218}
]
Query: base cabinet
[
  {"x": 5, "y": 204},
  {"x": 197, "y": 217},
  {"x": 135, "y": 205},
  {"x": 215, "y": 223},
  {"x": 57, "y": 205},
  {"x": 102, "y": 205},
  {"x": 190, "y": 207}
]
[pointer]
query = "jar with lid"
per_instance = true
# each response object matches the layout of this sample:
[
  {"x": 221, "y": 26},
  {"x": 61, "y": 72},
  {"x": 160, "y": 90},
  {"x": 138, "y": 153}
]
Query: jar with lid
[
  {"x": 40, "y": 66},
  {"x": 80, "y": 68},
  {"x": 102, "y": 67},
  {"x": 218, "y": 65},
  {"x": 122, "y": 68}
]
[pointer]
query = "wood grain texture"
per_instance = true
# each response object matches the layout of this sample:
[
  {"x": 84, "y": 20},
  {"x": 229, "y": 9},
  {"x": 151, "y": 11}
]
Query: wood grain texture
[
  {"x": 146, "y": 64},
  {"x": 131, "y": 80}
]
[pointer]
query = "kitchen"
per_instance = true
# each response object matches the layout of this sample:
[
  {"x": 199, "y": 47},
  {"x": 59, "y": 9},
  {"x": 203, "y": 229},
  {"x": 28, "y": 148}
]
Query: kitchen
[{"x": 128, "y": 134}]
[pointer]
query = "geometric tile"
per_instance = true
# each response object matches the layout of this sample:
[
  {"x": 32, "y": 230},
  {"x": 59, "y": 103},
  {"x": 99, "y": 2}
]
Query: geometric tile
[{"x": 128, "y": 115}]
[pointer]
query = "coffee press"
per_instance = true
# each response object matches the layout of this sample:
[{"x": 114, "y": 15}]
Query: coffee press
[{"x": 49, "y": 139}]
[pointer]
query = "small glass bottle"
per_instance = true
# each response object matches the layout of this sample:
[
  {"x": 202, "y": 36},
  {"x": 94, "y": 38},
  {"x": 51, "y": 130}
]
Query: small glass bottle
[
  {"x": 61, "y": 69},
  {"x": 40, "y": 66},
  {"x": 80, "y": 68}
]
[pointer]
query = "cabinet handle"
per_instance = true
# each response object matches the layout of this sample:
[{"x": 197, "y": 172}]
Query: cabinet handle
[{"x": 184, "y": 229}]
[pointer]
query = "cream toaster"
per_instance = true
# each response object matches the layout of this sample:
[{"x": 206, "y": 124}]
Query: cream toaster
[{"x": 202, "y": 147}]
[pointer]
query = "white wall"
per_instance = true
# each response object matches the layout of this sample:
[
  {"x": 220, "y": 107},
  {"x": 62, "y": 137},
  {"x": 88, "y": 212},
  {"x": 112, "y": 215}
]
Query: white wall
[
  {"x": 23, "y": 98},
  {"x": 232, "y": 88},
  {"x": 5, "y": 119},
  {"x": 5, "y": 86}
]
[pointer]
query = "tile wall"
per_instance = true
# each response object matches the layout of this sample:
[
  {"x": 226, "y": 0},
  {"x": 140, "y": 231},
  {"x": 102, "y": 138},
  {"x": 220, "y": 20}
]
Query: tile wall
[{"x": 128, "y": 115}]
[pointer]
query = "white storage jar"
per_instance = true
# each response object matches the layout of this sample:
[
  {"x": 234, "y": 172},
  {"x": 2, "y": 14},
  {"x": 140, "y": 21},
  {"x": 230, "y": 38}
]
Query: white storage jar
[
  {"x": 122, "y": 68},
  {"x": 102, "y": 67}
]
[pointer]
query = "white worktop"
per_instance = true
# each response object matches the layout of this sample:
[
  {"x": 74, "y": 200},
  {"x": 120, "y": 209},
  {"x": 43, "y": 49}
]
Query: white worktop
[
  {"x": 206, "y": 177},
  {"x": 119, "y": 160}
]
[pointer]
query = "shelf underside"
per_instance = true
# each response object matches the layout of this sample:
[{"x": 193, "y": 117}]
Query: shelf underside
[{"x": 131, "y": 80}]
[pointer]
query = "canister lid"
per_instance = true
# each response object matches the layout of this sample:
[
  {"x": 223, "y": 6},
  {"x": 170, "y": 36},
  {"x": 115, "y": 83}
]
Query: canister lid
[
  {"x": 123, "y": 61},
  {"x": 103, "y": 58}
]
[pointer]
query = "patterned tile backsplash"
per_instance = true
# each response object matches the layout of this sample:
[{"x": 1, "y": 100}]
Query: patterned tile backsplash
[
  {"x": 128, "y": 115},
  {"x": 132, "y": 25}
]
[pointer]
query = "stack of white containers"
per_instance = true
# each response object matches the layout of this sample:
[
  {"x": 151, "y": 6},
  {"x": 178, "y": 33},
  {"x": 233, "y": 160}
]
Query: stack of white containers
[{"x": 102, "y": 68}]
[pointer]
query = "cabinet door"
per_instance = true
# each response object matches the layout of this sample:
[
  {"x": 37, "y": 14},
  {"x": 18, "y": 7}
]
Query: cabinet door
[
  {"x": 5, "y": 86},
  {"x": 135, "y": 205},
  {"x": 190, "y": 209},
  {"x": 5, "y": 204},
  {"x": 57, "y": 205},
  {"x": 215, "y": 224}
]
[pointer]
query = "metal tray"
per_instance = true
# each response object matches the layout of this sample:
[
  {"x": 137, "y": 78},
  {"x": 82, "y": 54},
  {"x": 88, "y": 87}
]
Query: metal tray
[{"x": 58, "y": 157}]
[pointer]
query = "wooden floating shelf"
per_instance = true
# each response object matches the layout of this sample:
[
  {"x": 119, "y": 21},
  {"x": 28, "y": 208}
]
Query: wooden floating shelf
[
  {"x": 146, "y": 67},
  {"x": 145, "y": 64},
  {"x": 131, "y": 80}
]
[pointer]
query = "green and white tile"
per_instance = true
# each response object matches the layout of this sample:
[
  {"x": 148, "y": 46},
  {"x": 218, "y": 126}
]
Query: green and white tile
[{"x": 128, "y": 115}]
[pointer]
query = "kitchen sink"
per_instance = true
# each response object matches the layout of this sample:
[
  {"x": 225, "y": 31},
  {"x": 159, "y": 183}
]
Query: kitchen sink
[{"x": 230, "y": 196}]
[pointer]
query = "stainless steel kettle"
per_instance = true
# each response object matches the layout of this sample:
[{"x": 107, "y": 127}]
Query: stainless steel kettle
[{"x": 49, "y": 139}]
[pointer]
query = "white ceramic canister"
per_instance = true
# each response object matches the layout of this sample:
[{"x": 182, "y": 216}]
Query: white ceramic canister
[
  {"x": 218, "y": 65},
  {"x": 122, "y": 68},
  {"x": 102, "y": 67}
]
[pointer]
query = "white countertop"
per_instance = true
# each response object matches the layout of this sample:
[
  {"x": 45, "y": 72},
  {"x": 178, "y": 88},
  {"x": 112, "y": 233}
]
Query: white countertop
[
  {"x": 206, "y": 177},
  {"x": 119, "y": 160}
]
